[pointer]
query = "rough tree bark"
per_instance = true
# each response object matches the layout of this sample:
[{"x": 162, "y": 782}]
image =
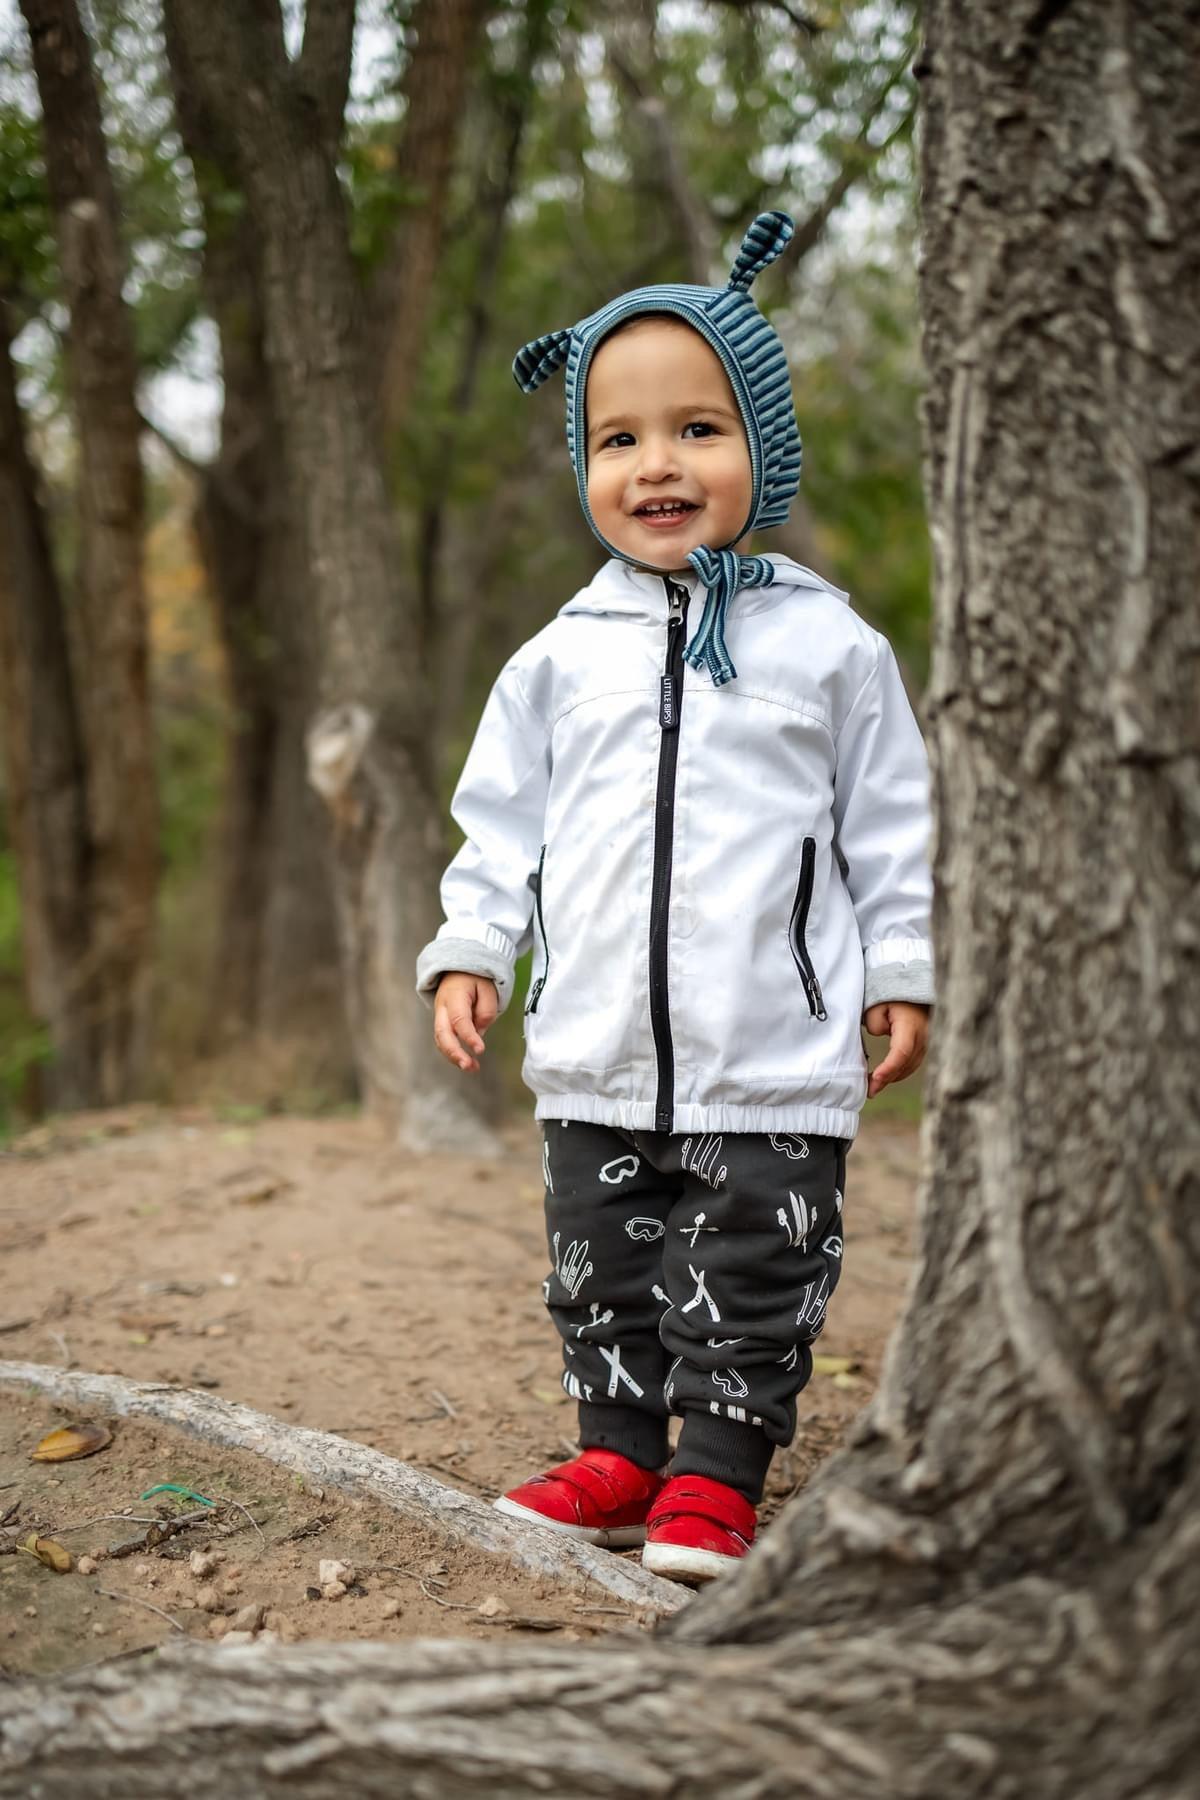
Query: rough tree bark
[
  {"x": 370, "y": 743},
  {"x": 111, "y": 982},
  {"x": 994, "y": 1591},
  {"x": 275, "y": 968}
]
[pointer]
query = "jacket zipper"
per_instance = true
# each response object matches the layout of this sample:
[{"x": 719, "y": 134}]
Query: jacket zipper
[
  {"x": 535, "y": 992},
  {"x": 798, "y": 927},
  {"x": 669, "y": 709}
]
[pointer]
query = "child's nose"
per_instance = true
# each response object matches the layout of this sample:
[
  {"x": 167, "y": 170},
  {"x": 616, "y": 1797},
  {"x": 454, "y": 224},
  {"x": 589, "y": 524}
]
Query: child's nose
[{"x": 659, "y": 459}]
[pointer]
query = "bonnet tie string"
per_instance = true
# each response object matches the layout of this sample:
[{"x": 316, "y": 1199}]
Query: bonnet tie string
[{"x": 723, "y": 572}]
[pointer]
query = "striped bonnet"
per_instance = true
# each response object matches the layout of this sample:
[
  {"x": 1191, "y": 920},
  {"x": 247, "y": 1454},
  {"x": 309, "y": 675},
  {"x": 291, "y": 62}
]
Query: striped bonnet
[{"x": 753, "y": 359}]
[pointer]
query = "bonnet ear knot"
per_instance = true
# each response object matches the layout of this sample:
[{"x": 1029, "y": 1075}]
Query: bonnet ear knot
[
  {"x": 540, "y": 358},
  {"x": 766, "y": 239}
]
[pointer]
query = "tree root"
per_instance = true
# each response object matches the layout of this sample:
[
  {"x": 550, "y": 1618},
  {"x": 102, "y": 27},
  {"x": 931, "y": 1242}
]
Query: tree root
[{"x": 331, "y": 1461}]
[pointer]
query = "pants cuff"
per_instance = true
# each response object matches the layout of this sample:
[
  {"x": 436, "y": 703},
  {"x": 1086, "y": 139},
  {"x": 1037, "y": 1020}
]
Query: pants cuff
[
  {"x": 638, "y": 1435},
  {"x": 724, "y": 1450}
]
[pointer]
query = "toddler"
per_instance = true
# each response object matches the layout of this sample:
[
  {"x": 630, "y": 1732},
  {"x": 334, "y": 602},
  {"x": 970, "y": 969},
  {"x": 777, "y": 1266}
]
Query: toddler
[{"x": 701, "y": 795}]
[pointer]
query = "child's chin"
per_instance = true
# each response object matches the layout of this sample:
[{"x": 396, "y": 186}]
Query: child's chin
[{"x": 664, "y": 549}]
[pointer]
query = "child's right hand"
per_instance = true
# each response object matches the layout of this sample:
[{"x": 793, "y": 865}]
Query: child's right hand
[{"x": 464, "y": 1008}]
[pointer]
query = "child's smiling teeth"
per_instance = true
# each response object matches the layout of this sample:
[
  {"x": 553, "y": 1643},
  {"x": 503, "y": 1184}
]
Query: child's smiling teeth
[{"x": 663, "y": 509}]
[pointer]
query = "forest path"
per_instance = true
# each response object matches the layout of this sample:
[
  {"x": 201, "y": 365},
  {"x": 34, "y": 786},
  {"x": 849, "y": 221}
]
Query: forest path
[
  {"x": 340, "y": 1283},
  {"x": 311, "y": 1270}
]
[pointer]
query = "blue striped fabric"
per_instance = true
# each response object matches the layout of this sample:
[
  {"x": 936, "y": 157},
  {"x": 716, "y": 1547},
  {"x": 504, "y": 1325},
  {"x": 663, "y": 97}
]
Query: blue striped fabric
[{"x": 754, "y": 360}]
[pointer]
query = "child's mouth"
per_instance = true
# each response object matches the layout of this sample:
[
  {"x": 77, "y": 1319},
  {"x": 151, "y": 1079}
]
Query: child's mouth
[{"x": 660, "y": 515}]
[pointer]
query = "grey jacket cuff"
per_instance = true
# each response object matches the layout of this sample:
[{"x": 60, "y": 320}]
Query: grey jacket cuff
[
  {"x": 466, "y": 956},
  {"x": 911, "y": 981}
]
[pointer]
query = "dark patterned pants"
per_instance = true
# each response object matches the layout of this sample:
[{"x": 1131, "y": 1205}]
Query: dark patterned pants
[{"x": 691, "y": 1275}]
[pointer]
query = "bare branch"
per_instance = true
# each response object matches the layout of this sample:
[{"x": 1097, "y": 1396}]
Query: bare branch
[
  {"x": 857, "y": 158},
  {"x": 810, "y": 27}
]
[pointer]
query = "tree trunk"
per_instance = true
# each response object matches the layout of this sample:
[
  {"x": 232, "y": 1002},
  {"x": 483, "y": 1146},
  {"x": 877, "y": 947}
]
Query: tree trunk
[
  {"x": 44, "y": 761},
  {"x": 435, "y": 87},
  {"x": 994, "y": 1591},
  {"x": 276, "y": 961},
  {"x": 110, "y": 601},
  {"x": 369, "y": 749}
]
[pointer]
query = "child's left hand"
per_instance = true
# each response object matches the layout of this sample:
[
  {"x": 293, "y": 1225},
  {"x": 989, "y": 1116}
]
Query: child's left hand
[{"x": 908, "y": 1027}]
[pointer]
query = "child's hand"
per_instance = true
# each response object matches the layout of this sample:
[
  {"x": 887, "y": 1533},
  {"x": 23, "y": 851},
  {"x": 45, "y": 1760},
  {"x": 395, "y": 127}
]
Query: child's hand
[
  {"x": 464, "y": 1008},
  {"x": 908, "y": 1027}
]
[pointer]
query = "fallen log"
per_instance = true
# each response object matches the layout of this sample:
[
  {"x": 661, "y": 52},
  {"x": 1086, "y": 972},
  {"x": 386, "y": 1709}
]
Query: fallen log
[{"x": 336, "y": 1462}]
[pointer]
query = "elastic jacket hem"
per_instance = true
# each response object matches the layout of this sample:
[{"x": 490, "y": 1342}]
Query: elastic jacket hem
[{"x": 639, "y": 1115}]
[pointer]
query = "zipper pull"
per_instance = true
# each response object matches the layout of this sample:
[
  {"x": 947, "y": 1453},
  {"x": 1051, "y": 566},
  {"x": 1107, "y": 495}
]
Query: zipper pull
[
  {"x": 668, "y": 704},
  {"x": 816, "y": 998}
]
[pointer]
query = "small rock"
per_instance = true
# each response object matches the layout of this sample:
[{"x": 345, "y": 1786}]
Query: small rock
[
  {"x": 231, "y": 1585},
  {"x": 238, "y": 1637},
  {"x": 249, "y": 1618},
  {"x": 333, "y": 1590},
  {"x": 141, "y": 1568},
  {"x": 284, "y": 1628},
  {"x": 86, "y": 1565},
  {"x": 391, "y": 1609},
  {"x": 97, "y": 1629},
  {"x": 329, "y": 1569},
  {"x": 202, "y": 1562},
  {"x": 312, "y": 1593},
  {"x": 218, "y": 1627},
  {"x": 31, "y": 1612},
  {"x": 216, "y": 1331},
  {"x": 492, "y": 1607},
  {"x": 208, "y": 1599},
  {"x": 267, "y": 1637}
]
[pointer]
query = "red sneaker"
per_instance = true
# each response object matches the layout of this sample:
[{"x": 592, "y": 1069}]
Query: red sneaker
[
  {"x": 600, "y": 1498},
  {"x": 697, "y": 1529}
]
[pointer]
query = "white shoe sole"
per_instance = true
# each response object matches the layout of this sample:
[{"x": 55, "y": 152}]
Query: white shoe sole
[
  {"x": 620, "y": 1537},
  {"x": 679, "y": 1563}
]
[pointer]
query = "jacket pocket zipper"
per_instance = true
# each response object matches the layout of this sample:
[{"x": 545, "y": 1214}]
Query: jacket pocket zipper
[
  {"x": 535, "y": 992},
  {"x": 798, "y": 927}
]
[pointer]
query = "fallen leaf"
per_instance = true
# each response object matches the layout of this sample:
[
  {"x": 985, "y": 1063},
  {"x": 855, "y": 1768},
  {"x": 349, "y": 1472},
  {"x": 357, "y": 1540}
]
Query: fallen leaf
[
  {"x": 834, "y": 1365},
  {"x": 135, "y": 1321},
  {"x": 251, "y": 1187},
  {"x": 48, "y": 1551},
  {"x": 845, "y": 1380},
  {"x": 549, "y": 1396},
  {"x": 71, "y": 1441}
]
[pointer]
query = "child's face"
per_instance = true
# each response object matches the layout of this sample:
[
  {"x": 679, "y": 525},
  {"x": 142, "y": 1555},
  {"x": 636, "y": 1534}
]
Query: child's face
[{"x": 668, "y": 462}]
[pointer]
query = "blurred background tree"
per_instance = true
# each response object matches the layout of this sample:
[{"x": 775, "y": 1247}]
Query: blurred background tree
[{"x": 480, "y": 172}]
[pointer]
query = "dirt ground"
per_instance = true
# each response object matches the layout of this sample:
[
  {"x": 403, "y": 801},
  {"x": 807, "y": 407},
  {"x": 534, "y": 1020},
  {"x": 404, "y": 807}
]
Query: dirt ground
[{"x": 309, "y": 1269}]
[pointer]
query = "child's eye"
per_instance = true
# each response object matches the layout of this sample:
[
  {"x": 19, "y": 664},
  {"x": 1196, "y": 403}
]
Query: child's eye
[
  {"x": 701, "y": 427},
  {"x": 617, "y": 441}
]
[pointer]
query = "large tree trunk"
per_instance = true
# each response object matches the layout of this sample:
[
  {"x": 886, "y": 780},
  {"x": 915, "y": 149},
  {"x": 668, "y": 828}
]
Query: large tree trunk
[
  {"x": 370, "y": 744},
  {"x": 44, "y": 761},
  {"x": 110, "y": 601},
  {"x": 276, "y": 957},
  {"x": 96, "y": 990},
  {"x": 994, "y": 1591}
]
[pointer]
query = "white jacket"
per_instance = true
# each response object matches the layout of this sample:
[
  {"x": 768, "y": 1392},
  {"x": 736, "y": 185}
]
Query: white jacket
[{"x": 715, "y": 881}]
